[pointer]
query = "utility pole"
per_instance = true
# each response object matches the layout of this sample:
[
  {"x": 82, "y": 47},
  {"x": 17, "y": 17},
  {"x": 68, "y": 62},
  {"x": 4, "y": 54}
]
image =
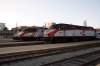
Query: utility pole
[
  {"x": 16, "y": 24},
  {"x": 16, "y": 28}
]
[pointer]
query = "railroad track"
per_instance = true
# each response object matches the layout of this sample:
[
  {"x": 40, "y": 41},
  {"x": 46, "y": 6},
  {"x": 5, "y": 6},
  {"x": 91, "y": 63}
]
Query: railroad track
[
  {"x": 12, "y": 44},
  {"x": 8, "y": 40},
  {"x": 89, "y": 59},
  {"x": 47, "y": 56},
  {"x": 11, "y": 40}
]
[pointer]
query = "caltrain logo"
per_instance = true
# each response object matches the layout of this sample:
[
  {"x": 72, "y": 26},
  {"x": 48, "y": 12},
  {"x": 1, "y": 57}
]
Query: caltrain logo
[
  {"x": 83, "y": 33},
  {"x": 35, "y": 34}
]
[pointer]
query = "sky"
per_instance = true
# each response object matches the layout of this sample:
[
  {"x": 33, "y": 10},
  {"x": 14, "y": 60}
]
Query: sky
[{"x": 38, "y": 12}]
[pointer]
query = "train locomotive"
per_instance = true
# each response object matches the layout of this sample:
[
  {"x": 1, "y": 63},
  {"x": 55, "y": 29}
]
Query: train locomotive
[
  {"x": 15, "y": 36},
  {"x": 31, "y": 34},
  {"x": 68, "y": 32}
]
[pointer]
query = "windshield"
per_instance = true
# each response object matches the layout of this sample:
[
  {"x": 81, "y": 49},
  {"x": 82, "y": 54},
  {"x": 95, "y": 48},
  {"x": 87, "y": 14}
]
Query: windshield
[
  {"x": 54, "y": 27},
  {"x": 30, "y": 30}
]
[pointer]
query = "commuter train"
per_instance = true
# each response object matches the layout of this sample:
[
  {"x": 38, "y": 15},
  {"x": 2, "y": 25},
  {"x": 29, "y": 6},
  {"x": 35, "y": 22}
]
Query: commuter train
[
  {"x": 98, "y": 33},
  {"x": 68, "y": 32},
  {"x": 32, "y": 34}
]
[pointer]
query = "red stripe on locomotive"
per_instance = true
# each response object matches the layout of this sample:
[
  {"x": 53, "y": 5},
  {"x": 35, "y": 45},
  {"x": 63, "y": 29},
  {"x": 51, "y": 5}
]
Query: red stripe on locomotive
[
  {"x": 51, "y": 34},
  {"x": 21, "y": 35}
]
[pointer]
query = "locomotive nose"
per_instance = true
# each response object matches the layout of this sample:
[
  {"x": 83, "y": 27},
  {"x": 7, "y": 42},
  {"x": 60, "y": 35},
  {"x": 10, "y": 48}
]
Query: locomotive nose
[
  {"x": 21, "y": 34},
  {"x": 46, "y": 33}
]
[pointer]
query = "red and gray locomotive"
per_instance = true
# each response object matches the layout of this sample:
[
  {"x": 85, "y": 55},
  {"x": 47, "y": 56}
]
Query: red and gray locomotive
[
  {"x": 32, "y": 34},
  {"x": 68, "y": 32},
  {"x": 15, "y": 36}
]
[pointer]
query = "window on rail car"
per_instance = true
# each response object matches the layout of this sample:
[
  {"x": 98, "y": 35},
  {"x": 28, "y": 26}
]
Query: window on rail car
[
  {"x": 60, "y": 26},
  {"x": 30, "y": 30},
  {"x": 26, "y": 30}
]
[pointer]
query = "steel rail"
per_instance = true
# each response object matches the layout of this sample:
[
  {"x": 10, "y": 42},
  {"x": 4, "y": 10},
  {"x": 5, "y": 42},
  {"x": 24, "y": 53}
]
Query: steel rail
[
  {"x": 31, "y": 54},
  {"x": 12, "y": 44},
  {"x": 88, "y": 59}
]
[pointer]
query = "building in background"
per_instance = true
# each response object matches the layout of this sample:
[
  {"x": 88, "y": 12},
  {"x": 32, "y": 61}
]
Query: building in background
[
  {"x": 4, "y": 32},
  {"x": 84, "y": 23},
  {"x": 21, "y": 27},
  {"x": 2, "y": 26},
  {"x": 50, "y": 24}
]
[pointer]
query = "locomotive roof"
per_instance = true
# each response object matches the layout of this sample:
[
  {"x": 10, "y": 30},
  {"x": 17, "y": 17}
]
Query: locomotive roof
[
  {"x": 41, "y": 28},
  {"x": 34, "y": 29},
  {"x": 71, "y": 26},
  {"x": 30, "y": 29}
]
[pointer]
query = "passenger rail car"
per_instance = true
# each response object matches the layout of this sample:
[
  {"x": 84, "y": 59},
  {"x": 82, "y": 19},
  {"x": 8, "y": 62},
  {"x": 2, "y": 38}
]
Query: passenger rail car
[
  {"x": 68, "y": 32},
  {"x": 32, "y": 34},
  {"x": 98, "y": 33}
]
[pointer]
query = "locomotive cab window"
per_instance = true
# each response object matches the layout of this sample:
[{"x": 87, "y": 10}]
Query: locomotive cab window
[
  {"x": 34, "y": 29},
  {"x": 26, "y": 30},
  {"x": 68, "y": 26},
  {"x": 54, "y": 27},
  {"x": 62, "y": 28}
]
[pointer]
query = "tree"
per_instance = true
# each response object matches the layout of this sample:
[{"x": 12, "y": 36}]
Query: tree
[{"x": 5, "y": 29}]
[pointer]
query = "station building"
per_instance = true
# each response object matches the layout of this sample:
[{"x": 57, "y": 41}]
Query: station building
[{"x": 4, "y": 32}]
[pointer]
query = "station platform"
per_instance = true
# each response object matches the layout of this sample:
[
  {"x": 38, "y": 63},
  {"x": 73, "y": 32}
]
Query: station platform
[{"x": 8, "y": 50}]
